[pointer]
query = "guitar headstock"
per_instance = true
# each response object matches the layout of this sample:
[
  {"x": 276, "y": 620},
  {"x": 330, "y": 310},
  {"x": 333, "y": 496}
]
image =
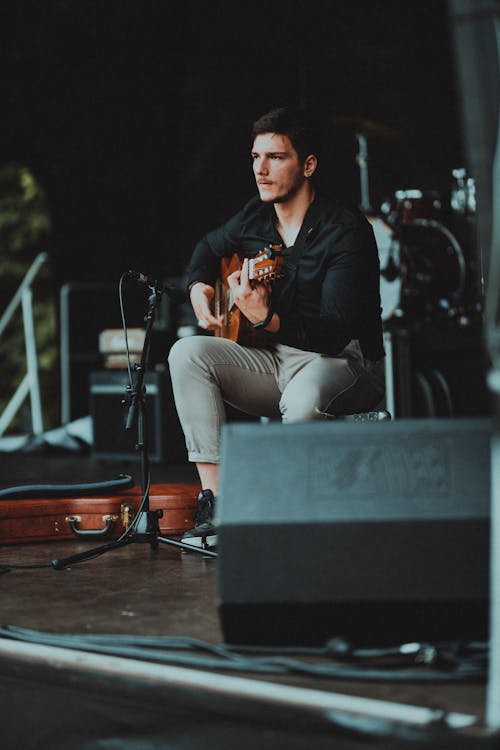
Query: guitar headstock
[{"x": 266, "y": 265}]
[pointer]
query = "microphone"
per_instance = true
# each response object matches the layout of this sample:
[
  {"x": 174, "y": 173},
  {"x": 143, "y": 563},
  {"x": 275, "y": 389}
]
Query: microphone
[{"x": 175, "y": 294}]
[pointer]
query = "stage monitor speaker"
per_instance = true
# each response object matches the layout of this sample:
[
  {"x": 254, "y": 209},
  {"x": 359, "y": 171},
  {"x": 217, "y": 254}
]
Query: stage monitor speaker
[{"x": 376, "y": 532}]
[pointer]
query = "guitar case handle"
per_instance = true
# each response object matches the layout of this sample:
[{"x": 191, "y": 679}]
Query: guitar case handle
[{"x": 109, "y": 521}]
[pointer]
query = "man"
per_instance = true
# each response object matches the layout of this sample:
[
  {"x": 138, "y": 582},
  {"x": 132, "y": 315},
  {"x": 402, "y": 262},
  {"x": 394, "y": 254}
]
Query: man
[{"x": 322, "y": 318}]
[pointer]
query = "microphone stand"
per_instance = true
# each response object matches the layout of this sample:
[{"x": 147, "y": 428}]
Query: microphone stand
[{"x": 145, "y": 526}]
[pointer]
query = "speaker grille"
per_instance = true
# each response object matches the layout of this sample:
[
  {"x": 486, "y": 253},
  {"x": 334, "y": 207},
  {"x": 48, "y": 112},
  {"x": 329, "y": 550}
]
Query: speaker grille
[{"x": 378, "y": 532}]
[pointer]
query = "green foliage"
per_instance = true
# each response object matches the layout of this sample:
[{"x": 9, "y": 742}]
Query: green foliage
[{"x": 24, "y": 232}]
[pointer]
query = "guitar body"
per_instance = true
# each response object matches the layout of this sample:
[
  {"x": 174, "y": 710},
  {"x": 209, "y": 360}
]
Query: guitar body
[{"x": 263, "y": 269}]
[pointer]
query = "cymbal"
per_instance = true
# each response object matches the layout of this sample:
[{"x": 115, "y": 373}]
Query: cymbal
[{"x": 366, "y": 127}]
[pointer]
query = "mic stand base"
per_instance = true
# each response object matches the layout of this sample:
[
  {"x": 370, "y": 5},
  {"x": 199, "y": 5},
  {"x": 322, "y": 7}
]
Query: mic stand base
[
  {"x": 150, "y": 536},
  {"x": 145, "y": 527}
]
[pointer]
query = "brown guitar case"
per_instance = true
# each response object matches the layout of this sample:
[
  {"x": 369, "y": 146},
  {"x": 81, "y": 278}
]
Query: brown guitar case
[{"x": 95, "y": 516}]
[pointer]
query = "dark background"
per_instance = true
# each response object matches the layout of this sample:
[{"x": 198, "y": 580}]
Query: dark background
[{"x": 134, "y": 116}]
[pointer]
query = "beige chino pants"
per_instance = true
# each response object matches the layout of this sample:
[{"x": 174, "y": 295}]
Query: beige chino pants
[{"x": 280, "y": 382}]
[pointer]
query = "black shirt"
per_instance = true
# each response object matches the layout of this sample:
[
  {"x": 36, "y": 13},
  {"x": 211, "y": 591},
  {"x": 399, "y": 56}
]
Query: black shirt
[{"x": 330, "y": 294}]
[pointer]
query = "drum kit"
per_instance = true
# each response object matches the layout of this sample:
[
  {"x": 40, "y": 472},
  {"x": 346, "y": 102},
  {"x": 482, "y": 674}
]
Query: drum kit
[{"x": 424, "y": 268}]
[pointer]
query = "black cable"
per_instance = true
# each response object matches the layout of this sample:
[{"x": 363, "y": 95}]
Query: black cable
[
  {"x": 372, "y": 726},
  {"x": 454, "y": 662},
  {"x": 130, "y": 528},
  {"x": 135, "y": 520},
  {"x": 124, "y": 326},
  {"x": 27, "y": 491},
  {"x": 7, "y": 567}
]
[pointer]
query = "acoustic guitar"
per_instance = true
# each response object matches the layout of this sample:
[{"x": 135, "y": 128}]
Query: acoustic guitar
[{"x": 263, "y": 268}]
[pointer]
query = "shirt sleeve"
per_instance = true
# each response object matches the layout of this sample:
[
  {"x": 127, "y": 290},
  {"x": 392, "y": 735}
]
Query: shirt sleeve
[{"x": 223, "y": 241}]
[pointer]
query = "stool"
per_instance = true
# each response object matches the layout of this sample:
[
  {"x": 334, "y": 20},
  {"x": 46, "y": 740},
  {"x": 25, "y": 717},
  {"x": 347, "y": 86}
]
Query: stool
[{"x": 364, "y": 416}]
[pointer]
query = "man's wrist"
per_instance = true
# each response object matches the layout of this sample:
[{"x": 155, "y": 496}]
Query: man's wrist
[
  {"x": 264, "y": 323},
  {"x": 193, "y": 283}
]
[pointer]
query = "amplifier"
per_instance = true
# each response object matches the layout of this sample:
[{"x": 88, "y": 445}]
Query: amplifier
[{"x": 165, "y": 439}]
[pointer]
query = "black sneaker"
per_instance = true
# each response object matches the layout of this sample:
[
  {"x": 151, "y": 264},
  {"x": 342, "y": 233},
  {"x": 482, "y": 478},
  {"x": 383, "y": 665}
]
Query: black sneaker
[{"x": 204, "y": 531}]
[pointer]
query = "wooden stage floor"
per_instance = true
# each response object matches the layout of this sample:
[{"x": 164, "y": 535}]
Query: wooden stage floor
[{"x": 139, "y": 591}]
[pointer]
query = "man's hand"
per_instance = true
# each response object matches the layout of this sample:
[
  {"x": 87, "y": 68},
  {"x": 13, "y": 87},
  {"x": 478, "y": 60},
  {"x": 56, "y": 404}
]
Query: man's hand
[
  {"x": 252, "y": 300},
  {"x": 201, "y": 296}
]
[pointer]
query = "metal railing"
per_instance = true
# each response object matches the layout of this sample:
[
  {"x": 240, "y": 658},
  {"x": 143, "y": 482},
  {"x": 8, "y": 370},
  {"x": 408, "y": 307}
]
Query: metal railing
[{"x": 30, "y": 383}]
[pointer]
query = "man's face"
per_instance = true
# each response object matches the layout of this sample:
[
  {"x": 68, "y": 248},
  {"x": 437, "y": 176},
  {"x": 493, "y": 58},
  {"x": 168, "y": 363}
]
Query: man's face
[{"x": 277, "y": 168}]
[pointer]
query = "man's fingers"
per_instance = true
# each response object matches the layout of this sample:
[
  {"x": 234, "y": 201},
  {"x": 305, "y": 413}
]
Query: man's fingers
[
  {"x": 233, "y": 280},
  {"x": 239, "y": 279},
  {"x": 210, "y": 322},
  {"x": 244, "y": 280}
]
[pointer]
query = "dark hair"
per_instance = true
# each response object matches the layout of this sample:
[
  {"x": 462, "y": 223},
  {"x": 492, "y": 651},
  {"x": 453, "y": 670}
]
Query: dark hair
[{"x": 297, "y": 124}]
